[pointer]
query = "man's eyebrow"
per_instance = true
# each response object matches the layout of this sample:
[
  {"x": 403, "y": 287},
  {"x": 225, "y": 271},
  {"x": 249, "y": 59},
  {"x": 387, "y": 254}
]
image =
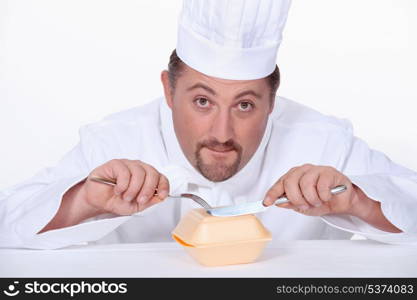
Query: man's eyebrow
[
  {"x": 202, "y": 86},
  {"x": 248, "y": 92},
  {"x": 211, "y": 91}
]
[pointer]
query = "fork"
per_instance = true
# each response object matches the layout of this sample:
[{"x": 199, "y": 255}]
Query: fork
[{"x": 193, "y": 197}]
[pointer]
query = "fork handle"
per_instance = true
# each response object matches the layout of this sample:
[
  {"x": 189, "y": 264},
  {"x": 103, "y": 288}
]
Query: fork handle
[
  {"x": 103, "y": 180},
  {"x": 111, "y": 182}
]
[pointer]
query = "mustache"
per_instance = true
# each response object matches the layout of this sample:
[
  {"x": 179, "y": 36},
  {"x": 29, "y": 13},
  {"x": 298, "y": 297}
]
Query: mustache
[{"x": 221, "y": 147}]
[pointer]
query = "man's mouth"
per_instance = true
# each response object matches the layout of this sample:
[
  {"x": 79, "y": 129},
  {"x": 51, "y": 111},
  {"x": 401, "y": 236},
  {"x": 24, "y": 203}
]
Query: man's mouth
[{"x": 221, "y": 150}]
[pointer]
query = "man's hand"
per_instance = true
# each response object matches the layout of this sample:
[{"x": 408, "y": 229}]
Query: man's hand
[
  {"x": 308, "y": 190},
  {"x": 136, "y": 183}
]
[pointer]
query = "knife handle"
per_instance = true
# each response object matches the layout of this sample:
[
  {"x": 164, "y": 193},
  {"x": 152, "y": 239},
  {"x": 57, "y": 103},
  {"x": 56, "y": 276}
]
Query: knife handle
[{"x": 336, "y": 190}]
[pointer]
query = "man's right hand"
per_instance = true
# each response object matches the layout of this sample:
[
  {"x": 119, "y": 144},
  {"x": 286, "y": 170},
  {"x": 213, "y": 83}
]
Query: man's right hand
[{"x": 136, "y": 183}]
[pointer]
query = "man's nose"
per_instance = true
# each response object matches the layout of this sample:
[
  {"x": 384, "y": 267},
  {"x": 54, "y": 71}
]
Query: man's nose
[{"x": 222, "y": 128}]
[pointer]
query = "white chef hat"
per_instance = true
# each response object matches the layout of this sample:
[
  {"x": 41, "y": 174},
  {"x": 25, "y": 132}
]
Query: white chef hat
[{"x": 231, "y": 39}]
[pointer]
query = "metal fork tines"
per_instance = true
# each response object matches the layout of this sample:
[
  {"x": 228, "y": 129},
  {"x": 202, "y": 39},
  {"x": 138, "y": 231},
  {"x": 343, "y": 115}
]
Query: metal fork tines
[{"x": 197, "y": 199}]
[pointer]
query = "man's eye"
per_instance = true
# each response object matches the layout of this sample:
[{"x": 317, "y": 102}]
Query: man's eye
[
  {"x": 245, "y": 106},
  {"x": 202, "y": 102}
]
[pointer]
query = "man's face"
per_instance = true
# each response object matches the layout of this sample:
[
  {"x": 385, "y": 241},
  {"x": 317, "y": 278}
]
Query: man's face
[{"x": 219, "y": 123}]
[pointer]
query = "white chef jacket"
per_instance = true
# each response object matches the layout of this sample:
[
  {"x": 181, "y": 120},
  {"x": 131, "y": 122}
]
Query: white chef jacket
[{"x": 295, "y": 135}]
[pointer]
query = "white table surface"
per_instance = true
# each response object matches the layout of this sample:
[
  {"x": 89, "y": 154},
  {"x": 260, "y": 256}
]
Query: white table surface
[{"x": 313, "y": 258}]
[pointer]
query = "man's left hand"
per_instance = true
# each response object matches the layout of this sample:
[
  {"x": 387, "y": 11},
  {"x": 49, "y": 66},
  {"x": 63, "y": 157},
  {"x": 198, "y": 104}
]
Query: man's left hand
[{"x": 307, "y": 188}]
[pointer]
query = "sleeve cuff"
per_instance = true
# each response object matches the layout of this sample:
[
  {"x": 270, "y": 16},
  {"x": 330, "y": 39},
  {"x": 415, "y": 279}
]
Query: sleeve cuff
[
  {"x": 356, "y": 225},
  {"x": 397, "y": 196},
  {"x": 398, "y": 204},
  {"x": 76, "y": 235},
  {"x": 43, "y": 208}
]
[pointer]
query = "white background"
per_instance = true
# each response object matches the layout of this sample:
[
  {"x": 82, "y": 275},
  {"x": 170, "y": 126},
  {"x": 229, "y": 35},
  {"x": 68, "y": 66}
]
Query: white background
[{"x": 64, "y": 64}]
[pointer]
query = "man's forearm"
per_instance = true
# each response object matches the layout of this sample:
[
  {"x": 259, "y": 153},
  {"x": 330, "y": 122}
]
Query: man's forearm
[
  {"x": 73, "y": 209},
  {"x": 370, "y": 211}
]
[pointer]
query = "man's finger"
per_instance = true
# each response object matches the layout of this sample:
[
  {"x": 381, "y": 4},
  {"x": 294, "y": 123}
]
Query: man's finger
[
  {"x": 292, "y": 187},
  {"x": 308, "y": 183},
  {"x": 324, "y": 185},
  {"x": 136, "y": 181},
  {"x": 149, "y": 185},
  {"x": 286, "y": 205},
  {"x": 278, "y": 189},
  {"x": 163, "y": 187},
  {"x": 274, "y": 192},
  {"x": 121, "y": 173}
]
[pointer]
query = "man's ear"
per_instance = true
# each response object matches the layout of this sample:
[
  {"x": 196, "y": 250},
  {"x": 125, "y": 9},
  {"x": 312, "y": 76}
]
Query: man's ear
[{"x": 167, "y": 87}]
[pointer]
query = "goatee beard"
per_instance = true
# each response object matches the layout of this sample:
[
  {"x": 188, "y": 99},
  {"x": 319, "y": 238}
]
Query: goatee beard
[{"x": 218, "y": 171}]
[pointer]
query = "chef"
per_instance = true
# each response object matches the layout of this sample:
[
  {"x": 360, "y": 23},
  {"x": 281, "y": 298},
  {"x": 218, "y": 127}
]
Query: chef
[{"x": 220, "y": 132}]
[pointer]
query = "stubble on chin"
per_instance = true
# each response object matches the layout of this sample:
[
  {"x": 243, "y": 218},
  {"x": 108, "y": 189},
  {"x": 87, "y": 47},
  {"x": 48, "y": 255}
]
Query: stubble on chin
[{"x": 218, "y": 171}]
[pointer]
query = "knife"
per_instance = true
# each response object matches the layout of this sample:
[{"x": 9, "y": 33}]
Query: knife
[{"x": 256, "y": 207}]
